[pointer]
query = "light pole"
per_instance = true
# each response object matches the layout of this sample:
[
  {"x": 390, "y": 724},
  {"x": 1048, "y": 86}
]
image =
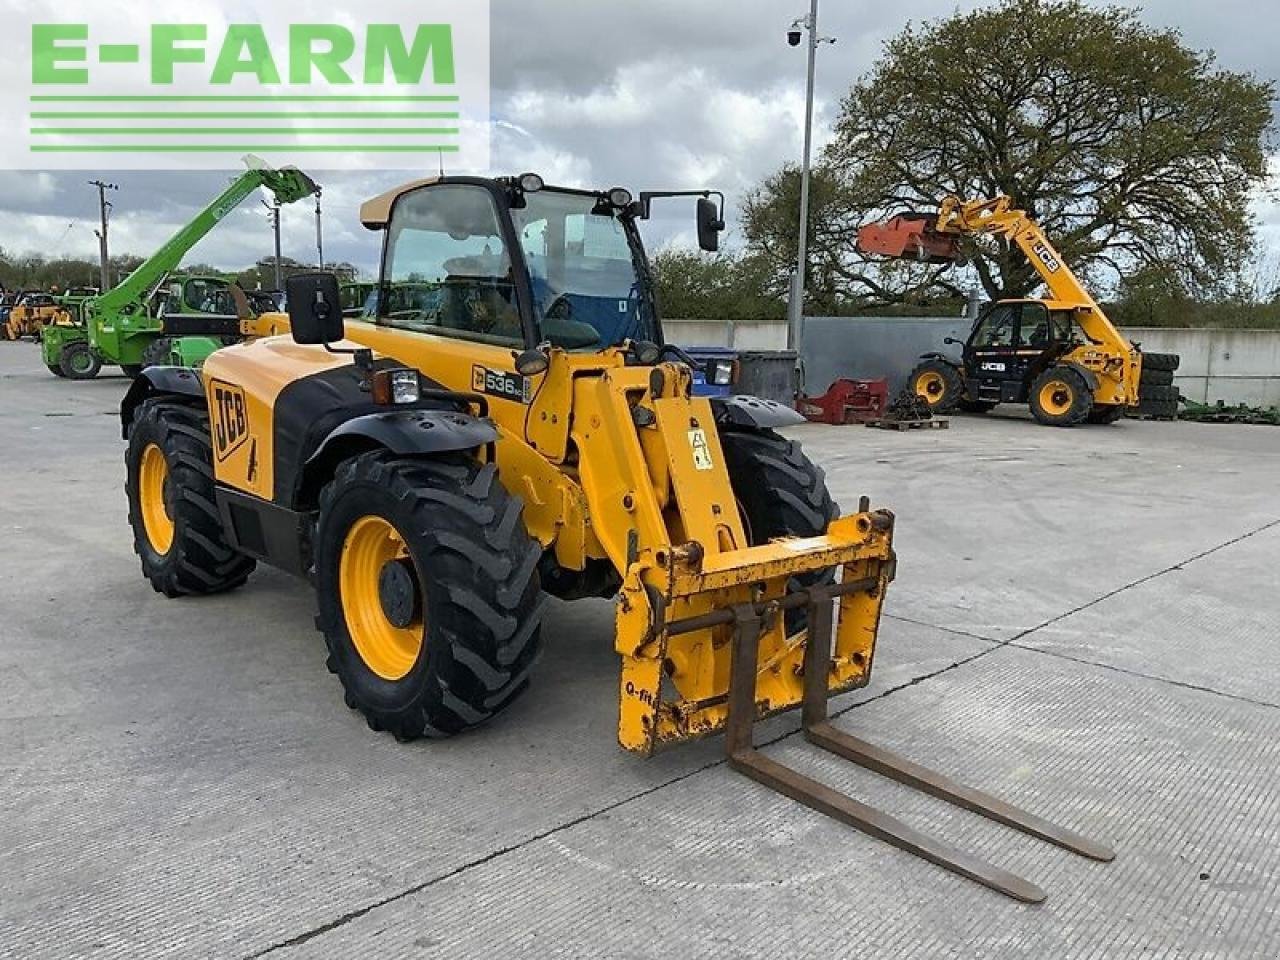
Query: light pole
[
  {"x": 319, "y": 232},
  {"x": 273, "y": 217},
  {"x": 795, "y": 303},
  {"x": 104, "y": 209}
]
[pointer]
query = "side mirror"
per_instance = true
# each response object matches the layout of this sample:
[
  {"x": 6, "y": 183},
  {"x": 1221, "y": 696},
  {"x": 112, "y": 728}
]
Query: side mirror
[
  {"x": 315, "y": 311},
  {"x": 709, "y": 225},
  {"x": 951, "y": 340}
]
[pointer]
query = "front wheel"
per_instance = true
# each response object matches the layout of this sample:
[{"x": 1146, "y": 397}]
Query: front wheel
[
  {"x": 79, "y": 362},
  {"x": 428, "y": 590},
  {"x": 938, "y": 383},
  {"x": 1060, "y": 397},
  {"x": 781, "y": 493}
]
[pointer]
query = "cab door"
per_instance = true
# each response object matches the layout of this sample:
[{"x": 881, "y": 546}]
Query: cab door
[{"x": 990, "y": 356}]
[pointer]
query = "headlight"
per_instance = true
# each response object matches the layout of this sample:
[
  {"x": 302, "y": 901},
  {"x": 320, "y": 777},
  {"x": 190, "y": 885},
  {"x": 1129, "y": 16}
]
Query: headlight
[
  {"x": 404, "y": 386},
  {"x": 530, "y": 182},
  {"x": 721, "y": 372},
  {"x": 396, "y": 386},
  {"x": 619, "y": 197}
]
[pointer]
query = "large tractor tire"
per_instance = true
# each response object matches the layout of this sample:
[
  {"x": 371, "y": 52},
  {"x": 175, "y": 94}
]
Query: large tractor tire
[
  {"x": 939, "y": 383},
  {"x": 1106, "y": 413},
  {"x": 1060, "y": 397},
  {"x": 1158, "y": 409},
  {"x": 55, "y": 369},
  {"x": 1147, "y": 392},
  {"x": 78, "y": 361},
  {"x": 177, "y": 532},
  {"x": 1161, "y": 361},
  {"x": 1155, "y": 378},
  {"x": 429, "y": 597},
  {"x": 781, "y": 493}
]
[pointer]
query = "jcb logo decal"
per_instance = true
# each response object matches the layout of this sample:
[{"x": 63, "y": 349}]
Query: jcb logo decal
[
  {"x": 230, "y": 419},
  {"x": 1047, "y": 258},
  {"x": 498, "y": 383}
]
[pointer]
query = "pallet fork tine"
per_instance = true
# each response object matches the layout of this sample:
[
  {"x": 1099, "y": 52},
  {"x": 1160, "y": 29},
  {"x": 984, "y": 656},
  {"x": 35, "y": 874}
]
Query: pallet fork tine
[{"x": 745, "y": 758}]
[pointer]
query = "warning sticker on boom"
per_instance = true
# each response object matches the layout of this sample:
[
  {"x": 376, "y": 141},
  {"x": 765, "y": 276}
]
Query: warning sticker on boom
[{"x": 701, "y": 450}]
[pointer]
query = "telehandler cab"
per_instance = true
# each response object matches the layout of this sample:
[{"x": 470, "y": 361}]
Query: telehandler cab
[
  {"x": 511, "y": 422},
  {"x": 1061, "y": 356}
]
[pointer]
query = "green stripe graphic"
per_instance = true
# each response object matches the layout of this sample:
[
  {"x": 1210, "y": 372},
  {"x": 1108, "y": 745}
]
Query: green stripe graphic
[
  {"x": 227, "y": 98},
  {"x": 182, "y": 115},
  {"x": 242, "y": 148},
  {"x": 240, "y": 131}
]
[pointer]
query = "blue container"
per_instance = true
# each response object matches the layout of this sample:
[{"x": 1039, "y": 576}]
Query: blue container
[{"x": 704, "y": 371}]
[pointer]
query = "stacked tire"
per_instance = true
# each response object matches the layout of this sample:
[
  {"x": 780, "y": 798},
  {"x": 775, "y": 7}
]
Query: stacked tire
[{"x": 1157, "y": 396}]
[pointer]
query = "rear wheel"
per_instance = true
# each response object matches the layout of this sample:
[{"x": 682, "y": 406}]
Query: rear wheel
[
  {"x": 55, "y": 369},
  {"x": 428, "y": 592},
  {"x": 79, "y": 362},
  {"x": 177, "y": 531},
  {"x": 1060, "y": 397},
  {"x": 938, "y": 382},
  {"x": 781, "y": 493},
  {"x": 1106, "y": 413}
]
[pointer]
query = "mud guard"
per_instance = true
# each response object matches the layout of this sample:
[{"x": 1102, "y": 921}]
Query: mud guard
[
  {"x": 156, "y": 381},
  {"x": 753, "y": 413},
  {"x": 1090, "y": 377},
  {"x": 405, "y": 433}
]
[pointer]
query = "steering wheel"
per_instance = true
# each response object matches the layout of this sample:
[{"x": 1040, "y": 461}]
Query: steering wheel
[{"x": 561, "y": 303}]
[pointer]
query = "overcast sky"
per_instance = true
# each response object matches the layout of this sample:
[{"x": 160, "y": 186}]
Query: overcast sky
[{"x": 640, "y": 93}]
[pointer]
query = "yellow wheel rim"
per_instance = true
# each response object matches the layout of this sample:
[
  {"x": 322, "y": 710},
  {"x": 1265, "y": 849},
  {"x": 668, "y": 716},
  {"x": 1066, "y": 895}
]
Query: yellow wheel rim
[
  {"x": 388, "y": 650},
  {"x": 153, "y": 475},
  {"x": 1056, "y": 397},
  {"x": 931, "y": 386}
]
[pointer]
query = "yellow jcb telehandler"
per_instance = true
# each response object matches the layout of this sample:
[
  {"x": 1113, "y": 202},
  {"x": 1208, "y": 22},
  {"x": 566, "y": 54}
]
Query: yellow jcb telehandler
[
  {"x": 511, "y": 423},
  {"x": 1061, "y": 356},
  {"x": 30, "y": 315}
]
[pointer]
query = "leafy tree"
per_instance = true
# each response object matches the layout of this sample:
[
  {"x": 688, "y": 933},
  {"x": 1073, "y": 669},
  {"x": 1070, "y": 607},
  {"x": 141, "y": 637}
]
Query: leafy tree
[
  {"x": 726, "y": 286},
  {"x": 1134, "y": 152}
]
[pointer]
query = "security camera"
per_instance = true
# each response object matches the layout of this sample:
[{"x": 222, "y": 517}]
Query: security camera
[{"x": 793, "y": 37}]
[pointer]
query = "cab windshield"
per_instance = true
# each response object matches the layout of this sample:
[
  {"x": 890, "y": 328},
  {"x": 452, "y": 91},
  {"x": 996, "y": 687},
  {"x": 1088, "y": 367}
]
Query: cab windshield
[{"x": 586, "y": 291}]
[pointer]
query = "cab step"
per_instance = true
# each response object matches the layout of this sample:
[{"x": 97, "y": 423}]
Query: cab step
[{"x": 746, "y": 759}]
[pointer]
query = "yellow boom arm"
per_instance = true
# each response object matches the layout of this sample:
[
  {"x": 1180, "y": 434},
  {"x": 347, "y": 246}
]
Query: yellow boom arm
[{"x": 999, "y": 218}]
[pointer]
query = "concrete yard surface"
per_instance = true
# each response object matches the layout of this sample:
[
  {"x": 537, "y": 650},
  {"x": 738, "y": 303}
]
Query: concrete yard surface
[{"x": 1084, "y": 623}]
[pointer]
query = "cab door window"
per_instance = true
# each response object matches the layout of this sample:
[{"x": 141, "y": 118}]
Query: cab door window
[
  {"x": 448, "y": 270},
  {"x": 998, "y": 328},
  {"x": 1034, "y": 329}
]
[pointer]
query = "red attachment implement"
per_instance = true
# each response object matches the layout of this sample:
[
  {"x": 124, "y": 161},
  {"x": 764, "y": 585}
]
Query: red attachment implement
[
  {"x": 847, "y": 401},
  {"x": 909, "y": 236}
]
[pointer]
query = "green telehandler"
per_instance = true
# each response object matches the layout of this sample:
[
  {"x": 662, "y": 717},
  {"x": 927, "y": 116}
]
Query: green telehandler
[{"x": 134, "y": 324}]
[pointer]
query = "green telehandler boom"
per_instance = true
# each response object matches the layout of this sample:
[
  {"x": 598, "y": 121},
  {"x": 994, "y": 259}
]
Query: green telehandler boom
[{"x": 124, "y": 325}]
